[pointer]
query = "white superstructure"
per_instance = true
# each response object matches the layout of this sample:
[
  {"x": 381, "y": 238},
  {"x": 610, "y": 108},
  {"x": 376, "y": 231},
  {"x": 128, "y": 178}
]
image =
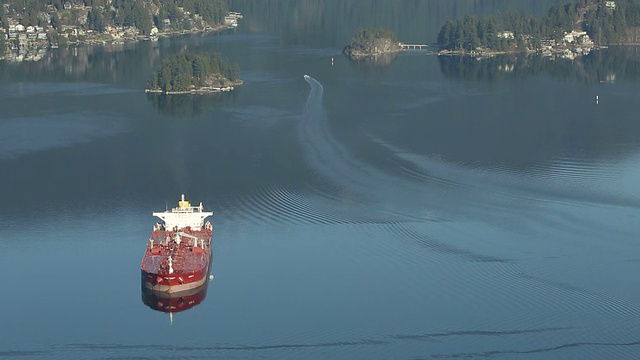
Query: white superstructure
[{"x": 184, "y": 215}]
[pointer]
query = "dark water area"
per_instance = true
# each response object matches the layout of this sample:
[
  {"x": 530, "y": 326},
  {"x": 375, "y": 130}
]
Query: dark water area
[
  {"x": 329, "y": 23},
  {"x": 415, "y": 207}
]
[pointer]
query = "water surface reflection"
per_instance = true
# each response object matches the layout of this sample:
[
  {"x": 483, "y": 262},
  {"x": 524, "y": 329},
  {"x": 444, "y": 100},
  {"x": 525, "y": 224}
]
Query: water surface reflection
[
  {"x": 186, "y": 105},
  {"x": 174, "y": 302},
  {"x": 617, "y": 63}
]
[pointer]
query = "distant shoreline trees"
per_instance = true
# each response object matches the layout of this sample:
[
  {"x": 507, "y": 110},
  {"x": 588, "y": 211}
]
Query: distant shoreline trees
[
  {"x": 607, "y": 22},
  {"x": 98, "y": 14}
]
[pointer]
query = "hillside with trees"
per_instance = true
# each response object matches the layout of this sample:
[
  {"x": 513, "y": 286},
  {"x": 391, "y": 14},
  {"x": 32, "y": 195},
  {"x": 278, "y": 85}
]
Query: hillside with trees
[
  {"x": 606, "y": 22},
  {"x": 620, "y": 25},
  {"x": 188, "y": 72},
  {"x": 37, "y": 23},
  {"x": 98, "y": 14}
]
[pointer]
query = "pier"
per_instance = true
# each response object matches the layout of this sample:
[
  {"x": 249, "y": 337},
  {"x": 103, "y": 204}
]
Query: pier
[{"x": 414, "y": 46}]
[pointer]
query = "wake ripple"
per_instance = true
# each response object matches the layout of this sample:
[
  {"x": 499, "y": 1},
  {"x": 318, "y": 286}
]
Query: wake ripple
[
  {"x": 408, "y": 196},
  {"x": 487, "y": 354},
  {"x": 322, "y": 348},
  {"x": 508, "y": 273},
  {"x": 443, "y": 247},
  {"x": 274, "y": 205},
  {"x": 394, "y": 198},
  {"x": 564, "y": 180}
]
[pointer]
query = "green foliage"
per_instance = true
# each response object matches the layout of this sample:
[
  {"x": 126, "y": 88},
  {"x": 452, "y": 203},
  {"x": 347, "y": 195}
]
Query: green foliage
[
  {"x": 95, "y": 21},
  {"x": 472, "y": 32},
  {"x": 603, "y": 24},
  {"x": 138, "y": 13},
  {"x": 210, "y": 10},
  {"x": 4, "y": 23},
  {"x": 55, "y": 20},
  {"x": 133, "y": 13},
  {"x": 186, "y": 70},
  {"x": 371, "y": 41},
  {"x": 368, "y": 35},
  {"x": 610, "y": 26}
]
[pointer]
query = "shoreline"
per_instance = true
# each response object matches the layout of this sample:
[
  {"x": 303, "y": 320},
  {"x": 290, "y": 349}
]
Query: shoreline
[
  {"x": 198, "y": 91},
  {"x": 38, "y": 48},
  {"x": 544, "y": 52},
  {"x": 103, "y": 39},
  {"x": 361, "y": 56}
]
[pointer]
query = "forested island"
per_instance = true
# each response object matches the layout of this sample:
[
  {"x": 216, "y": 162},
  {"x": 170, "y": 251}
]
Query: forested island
[
  {"x": 191, "y": 73},
  {"x": 575, "y": 27},
  {"x": 28, "y": 26},
  {"x": 372, "y": 42}
]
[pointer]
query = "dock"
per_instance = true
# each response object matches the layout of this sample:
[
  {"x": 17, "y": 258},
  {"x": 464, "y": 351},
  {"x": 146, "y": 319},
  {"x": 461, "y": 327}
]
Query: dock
[{"x": 414, "y": 46}]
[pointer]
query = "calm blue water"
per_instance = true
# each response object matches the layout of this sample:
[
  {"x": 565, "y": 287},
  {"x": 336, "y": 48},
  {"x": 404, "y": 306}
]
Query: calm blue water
[{"x": 413, "y": 208}]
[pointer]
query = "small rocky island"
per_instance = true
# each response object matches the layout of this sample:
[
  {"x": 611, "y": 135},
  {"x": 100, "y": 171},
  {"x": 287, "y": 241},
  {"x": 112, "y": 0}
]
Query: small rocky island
[
  {"x": 190, "y": 73},
  {"x": 370, "y": 43}
]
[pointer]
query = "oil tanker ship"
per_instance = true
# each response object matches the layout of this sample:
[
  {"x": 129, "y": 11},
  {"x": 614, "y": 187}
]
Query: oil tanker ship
[{"x": 178, "y": 254}]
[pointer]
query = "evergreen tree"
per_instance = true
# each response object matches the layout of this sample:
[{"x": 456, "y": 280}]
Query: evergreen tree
[
  {"x": 602, "y": 23},
  {"x": 184, "y": 70}
]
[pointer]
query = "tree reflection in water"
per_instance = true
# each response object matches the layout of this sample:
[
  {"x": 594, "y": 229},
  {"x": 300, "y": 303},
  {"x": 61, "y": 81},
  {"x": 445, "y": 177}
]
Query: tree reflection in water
[
  {"x": 374, "y": 63},
  {"x": 187, "y": 105},
  {"x": 599, "y": 66}
]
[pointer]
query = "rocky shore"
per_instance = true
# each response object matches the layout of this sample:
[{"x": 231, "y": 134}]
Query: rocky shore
[
  {"x": 199, "y": 90},
  {"x": 573, "y": 44},
  {"x": 371, "y": 43},
  {"x": 371, "y": 49}
]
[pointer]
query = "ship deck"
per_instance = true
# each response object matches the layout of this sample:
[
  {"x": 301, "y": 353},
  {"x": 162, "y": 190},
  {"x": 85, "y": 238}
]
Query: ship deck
[{"x": 177, "y": 252}]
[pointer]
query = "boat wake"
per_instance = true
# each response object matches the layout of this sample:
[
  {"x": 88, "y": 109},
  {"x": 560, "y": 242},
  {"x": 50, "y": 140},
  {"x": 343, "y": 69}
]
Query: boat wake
[
  {"x": 421, "y": 205},
  {"x": 406, "y": 192},
  {"x": 394, "y": 198}
]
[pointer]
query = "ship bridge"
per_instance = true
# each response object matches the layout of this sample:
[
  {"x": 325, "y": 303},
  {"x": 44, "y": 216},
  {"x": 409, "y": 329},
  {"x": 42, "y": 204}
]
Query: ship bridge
[{"x": 184, "y": 215}]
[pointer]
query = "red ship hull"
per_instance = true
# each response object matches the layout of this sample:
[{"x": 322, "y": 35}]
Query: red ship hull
[
  {"x": 174, "y": 302},
  {"x": 177, "y": 261}
]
